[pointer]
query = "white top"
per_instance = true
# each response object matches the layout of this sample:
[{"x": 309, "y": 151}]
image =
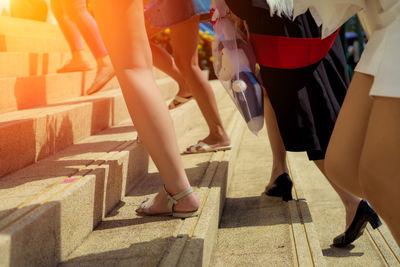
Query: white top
[
  {"x": 331, "y": 14},
  {"x": 381, "y": 22}
]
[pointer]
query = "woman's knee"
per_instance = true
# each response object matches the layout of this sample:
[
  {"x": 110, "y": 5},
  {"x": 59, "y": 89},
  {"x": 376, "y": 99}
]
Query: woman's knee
[
  {"x": 368, "y": 180},
  {"x": 377, "y": 180},
  {"x": 56, "y": 8},
  {"x": 75, "y": 9},
  {"x": 341, "y": 168},
  {"x": 379, "y": 175},
  {"x": 186, "y": 66}
]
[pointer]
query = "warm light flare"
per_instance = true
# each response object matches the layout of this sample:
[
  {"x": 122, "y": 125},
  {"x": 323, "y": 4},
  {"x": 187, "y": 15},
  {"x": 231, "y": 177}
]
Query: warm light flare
[{"x": 4, "y": 4}]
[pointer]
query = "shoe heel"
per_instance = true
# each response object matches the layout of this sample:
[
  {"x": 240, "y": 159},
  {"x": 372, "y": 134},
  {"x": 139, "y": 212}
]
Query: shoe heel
[
  {"x": 287, "y": 194},
  {"x": 283, "y": 188},
  {"x": 287, "y": 191},
  {"x": 374, "y": 221},
  {"x": 286, "y": 187}
]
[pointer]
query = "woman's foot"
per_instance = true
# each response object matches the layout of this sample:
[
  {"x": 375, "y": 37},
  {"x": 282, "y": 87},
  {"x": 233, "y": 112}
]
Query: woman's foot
[
  {"x": 103, "y": 76},
  {"x": 363, "y": 215},
  {"x": 183, "y": 96},
  {"x": 277, "y": 170},
  {"x": 213, "y": 143},
  {"x": 159, "y": 204},
  {"x": 105, "y": 72},
  {"x": 281, "y": 187},
  {"x": 75, "y": 65}
]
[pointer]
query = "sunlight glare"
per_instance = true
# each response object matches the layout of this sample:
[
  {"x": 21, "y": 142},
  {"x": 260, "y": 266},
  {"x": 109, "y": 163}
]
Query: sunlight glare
[{"x": 4, "y": 4}]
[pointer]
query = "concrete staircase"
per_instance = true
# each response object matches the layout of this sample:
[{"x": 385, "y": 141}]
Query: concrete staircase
[
  {"x": 66, "y": 159},
  {"x": 72, "y": 174},
  {"x": 257, "y": 230}
]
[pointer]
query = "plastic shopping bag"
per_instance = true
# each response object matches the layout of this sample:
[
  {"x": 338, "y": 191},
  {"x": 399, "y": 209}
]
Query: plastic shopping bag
[{"x": 235, "y": 66}]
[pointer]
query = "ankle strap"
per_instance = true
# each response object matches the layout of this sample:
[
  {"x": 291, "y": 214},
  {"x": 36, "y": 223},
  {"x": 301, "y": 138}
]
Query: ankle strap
[{"x": 172, "y": 200}]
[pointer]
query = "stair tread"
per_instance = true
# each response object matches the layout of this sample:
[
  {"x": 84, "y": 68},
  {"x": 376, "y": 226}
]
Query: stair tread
[
  {"x": 44, "y": 130},
  {"x": 26, "y": 183},
  {"x": 371, "y": 249},
  {"x": 56, "y": 191},
  {"x": 29, "y": 135},
  {"x": 19, "y": 93},
  {"x": 69, "y": 103},
  {"x": 255, "y": 230},
  {"x": 11, "y": 25},
  {"x": 23, "y": 64},
  {"x": 77, "y": 186},
  {"x": 149, "y": 241},
  {"x": 61, "y": 105}
]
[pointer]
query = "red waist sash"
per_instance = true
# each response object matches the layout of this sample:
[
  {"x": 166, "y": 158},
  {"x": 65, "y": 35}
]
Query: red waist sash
[{"x": 283, "y": 52}]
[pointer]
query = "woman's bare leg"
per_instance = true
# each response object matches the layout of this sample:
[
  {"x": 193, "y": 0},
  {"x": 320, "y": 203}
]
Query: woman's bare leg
[
  {"x": 379, "y": 165},
  {"x": 344, "y": 150},
  {"x": 73, "y": 37},
  {"x": 278, "y": 148},
  {"x": 184, "y": 38},
  {"x": 122, "y": 27},
  {"x": 165, "y": 62},
  {"x": 349, "y": 201}
]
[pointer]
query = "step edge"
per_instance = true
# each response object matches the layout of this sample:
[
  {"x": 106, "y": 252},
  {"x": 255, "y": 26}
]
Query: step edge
[
  {"x": 78, "y": 189},
  {"x": 308, "y": 231},
  {"x": 214, "y": 192}
]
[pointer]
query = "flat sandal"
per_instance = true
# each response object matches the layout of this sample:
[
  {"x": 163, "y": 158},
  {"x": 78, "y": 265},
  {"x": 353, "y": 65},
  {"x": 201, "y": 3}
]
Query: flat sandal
[{"x": 144, "y": 208}]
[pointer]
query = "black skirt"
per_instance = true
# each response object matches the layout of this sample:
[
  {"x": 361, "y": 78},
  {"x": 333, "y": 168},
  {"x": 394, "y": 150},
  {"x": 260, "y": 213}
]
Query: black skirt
[{"x": 306, "y": 100}]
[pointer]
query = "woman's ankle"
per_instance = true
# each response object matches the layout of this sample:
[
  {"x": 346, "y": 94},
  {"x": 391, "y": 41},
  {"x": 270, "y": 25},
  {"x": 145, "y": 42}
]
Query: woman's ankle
[
  {"x": 218, "y": 137},
  {"x": 277, "y": 170},
  {"x": 78, "y": 56},
  {"x": 190, "y": 202},
  {"x": 184, "y": 90},
  {"x": 103, "y": 61}
]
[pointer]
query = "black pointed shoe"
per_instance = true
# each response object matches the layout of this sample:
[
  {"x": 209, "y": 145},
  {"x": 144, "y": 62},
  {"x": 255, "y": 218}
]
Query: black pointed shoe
[
  {"x": 364, "y": 214},
  {"x": 282, "y": 187}
]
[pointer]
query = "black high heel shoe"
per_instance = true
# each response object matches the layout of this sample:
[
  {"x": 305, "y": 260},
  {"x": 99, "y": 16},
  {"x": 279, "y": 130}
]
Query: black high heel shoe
[
  {"x": 364, "y": 214},
  {"x": 282, "y": 187}
]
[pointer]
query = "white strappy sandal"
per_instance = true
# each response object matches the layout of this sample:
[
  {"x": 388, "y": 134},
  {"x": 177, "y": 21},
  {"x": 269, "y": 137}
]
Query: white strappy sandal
[
  {"x": 181, "y": 100},
  {"x": 144, "y": 208},
  {"x": 204, "y": 148}
]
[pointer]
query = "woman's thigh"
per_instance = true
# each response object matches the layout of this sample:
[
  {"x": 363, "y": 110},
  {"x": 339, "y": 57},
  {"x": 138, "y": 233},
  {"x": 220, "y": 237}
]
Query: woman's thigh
[
  {"x": 347, "y": 140},
  {"x": 57, "y": 8},
  {"x": 379, "y": 165},
  {"x": 152, "y": 31},
  {"x": 74, "y": 7},
  {"x": 184, "y": 39},
  {"x": 124, "y": 33}
]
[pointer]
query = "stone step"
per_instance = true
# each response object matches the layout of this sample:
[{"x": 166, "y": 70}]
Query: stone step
[
  {"x": 257, "y": 230},
  {"x": 48, "y": 208},
  {"x": 23, "y": 64},
  {"x": 373, "y": 248},
  {"x": 39, "y": 44},
  {"x": 20, "y": 35},
  {"x": 17, "y": 93},
  {"x": 24, "y": 27},
  {"x": 124, "y": 238},
  {"x": 29, "y": 135}
]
